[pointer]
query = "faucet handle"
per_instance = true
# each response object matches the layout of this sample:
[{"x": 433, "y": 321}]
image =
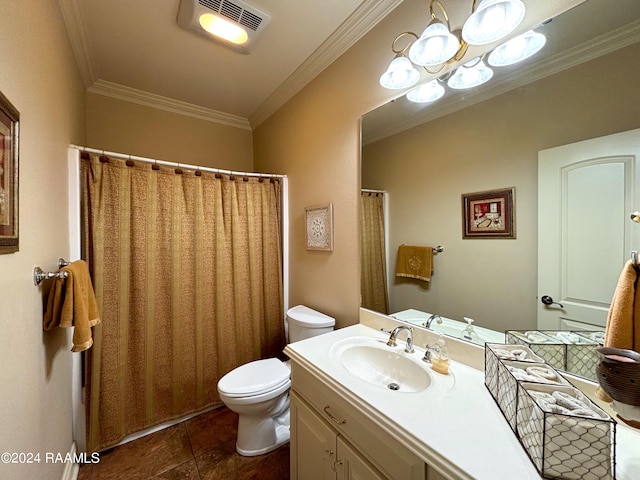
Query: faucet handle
[
  {"x": 429, "y": 350},
  {"x": 392, "y": 338}
]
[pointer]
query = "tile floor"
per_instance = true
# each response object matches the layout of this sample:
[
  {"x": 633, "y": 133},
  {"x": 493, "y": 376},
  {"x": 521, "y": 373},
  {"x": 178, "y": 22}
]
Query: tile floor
[{"x": 202, "y": 448}]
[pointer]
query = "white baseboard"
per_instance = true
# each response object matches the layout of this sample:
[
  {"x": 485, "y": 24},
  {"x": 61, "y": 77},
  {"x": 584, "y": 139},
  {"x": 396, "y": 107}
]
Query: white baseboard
[{"x": 71, "y": 468}]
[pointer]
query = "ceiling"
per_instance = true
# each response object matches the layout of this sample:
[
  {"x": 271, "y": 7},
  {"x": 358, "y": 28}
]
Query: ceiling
[{"x": 135, "y": 50}]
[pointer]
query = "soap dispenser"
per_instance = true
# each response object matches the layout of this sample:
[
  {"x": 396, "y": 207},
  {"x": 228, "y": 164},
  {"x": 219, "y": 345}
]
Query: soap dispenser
[
  {"x": 468, "y": 333},
  {"x": 440, "y": 356}
]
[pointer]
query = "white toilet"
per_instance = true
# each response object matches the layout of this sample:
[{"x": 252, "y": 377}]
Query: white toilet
[{"x": 259, "y": 391}]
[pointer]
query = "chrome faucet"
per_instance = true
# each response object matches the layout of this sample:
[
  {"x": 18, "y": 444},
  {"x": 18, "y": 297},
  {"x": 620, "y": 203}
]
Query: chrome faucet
[
  {"x": 433, "y": 317},
  {"x": 394, "y": 334}
]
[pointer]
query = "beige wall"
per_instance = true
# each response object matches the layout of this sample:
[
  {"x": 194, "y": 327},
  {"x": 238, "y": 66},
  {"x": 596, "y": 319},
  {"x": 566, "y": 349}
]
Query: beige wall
[
  {"x": 315, "y": 140},
  {"x": 493, "y": 144},
  {"x": 39, "y": 76},
  {"x": 133, "y": 129}
]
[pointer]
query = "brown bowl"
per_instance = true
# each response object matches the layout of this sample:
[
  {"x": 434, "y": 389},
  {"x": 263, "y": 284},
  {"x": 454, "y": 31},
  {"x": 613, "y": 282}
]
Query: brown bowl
[{"x": 619, "y": 374}]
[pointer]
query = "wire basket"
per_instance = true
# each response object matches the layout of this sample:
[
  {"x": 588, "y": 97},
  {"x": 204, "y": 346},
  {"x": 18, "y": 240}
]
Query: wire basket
[
  {"x": 509, "y": 385},
  {"x": 573, "y": 352},
  {"x": 493, "y": 356},
  {"x": 562, "y": 446}
]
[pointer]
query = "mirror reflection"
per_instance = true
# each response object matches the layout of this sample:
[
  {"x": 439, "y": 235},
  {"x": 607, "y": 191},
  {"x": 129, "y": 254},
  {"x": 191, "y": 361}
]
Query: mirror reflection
[{"x": 581, "y": 85}]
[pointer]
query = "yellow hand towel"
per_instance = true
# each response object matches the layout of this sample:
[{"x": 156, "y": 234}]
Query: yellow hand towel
[
  {"x": 72, "y": 303},
  {"x": 414, "y": 262},
  {"x": 623, "y": 321}
]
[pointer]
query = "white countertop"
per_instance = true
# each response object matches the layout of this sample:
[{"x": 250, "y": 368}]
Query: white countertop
[{"x": 454, "y": 425}]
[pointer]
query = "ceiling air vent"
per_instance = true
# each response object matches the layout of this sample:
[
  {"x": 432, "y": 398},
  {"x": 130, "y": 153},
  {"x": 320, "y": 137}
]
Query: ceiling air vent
[{"x": 199, "y": 15}]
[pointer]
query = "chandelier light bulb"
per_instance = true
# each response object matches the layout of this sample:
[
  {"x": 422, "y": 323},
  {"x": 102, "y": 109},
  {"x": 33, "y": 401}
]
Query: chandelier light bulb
[
  {"x": 435, "y": 46},
  {"x": 400, "y": 74},
  {"x": 469, "y": 75},
  {"x": 492, "y": 20},
  {"x": 426, "y": 93},
  {"x": 517, "y": 49}
]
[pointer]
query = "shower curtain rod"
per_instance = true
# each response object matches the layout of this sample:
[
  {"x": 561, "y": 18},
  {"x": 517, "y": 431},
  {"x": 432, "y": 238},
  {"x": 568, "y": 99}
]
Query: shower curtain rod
[
  {"x": 174, "y": 164},
  {"x": 368, "y": 190}
]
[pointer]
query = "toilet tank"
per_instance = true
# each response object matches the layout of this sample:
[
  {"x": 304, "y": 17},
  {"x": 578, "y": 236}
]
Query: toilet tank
[{"x": 305, "y": 322}]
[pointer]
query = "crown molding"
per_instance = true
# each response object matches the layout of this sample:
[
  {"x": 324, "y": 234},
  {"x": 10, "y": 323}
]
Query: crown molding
[
  {"x": 361, "y": 21},
  {"x": 128, "y": 94},
  {"x": 78, "y": 38}
]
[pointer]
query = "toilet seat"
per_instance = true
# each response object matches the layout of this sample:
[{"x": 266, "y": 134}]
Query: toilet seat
[{"x": 255, "y": 378}]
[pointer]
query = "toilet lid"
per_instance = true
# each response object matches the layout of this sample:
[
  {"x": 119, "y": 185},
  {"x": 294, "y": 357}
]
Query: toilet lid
[
  {"x": 309, "y": 318},
  {"x": 255, "y": 377}
]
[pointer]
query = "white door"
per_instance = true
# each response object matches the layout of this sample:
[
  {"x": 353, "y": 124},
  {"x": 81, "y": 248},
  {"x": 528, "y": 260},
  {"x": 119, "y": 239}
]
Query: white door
[{"x": 586, "y": 192}]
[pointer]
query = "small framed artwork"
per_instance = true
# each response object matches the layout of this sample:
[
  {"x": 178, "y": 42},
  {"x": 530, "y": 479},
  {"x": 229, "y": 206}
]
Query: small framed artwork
[
  {"x": 319, "y": 227},
  {"x": 9, "y": 135},
  {"x": 489, "y": 214}
]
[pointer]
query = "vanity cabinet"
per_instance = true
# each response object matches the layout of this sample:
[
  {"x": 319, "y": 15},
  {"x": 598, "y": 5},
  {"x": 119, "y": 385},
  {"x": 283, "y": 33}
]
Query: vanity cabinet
[
  {"x": 320, "y": 452},
  {"x": 331, "y": 439}
]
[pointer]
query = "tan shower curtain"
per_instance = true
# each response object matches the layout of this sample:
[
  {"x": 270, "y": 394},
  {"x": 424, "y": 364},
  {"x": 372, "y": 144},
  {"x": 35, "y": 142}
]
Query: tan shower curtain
[
  {"x": 373, "y": 276},
  {"x": 187, "y": 272}
]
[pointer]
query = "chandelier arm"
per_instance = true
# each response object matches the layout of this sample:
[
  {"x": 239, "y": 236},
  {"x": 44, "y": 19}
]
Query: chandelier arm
[
  {"x": 478, "y": 60},
  {"x": 442, "y": 9},
  {"x": 403, "y": 50},
  {"x": 462, "y": 50},
  {"x": 442, "y": 65}
]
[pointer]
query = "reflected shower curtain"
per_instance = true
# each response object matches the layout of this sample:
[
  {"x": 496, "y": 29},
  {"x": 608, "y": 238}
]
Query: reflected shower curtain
[
  {"x": 187, "y": 272},
  {"x": 373, "y": 273}
]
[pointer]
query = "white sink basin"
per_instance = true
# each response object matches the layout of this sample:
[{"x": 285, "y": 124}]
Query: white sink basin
[{"x": 374, "y": 362}]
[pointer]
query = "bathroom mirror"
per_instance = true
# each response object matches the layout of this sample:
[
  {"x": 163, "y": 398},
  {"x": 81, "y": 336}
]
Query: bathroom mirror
[{"x": 425, "y": 156}]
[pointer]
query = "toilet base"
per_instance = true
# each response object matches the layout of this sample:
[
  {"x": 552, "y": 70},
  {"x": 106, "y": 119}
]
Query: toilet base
[
  {"x": 259, "y": 435},
  {"x": 282, "y": 437}
]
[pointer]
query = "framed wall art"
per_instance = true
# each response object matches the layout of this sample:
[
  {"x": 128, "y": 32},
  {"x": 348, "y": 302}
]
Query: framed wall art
[
  {"x": 319, "y": 227},
  {"x": 9, "y": 143},
  {"x": 489, "y": 214}
]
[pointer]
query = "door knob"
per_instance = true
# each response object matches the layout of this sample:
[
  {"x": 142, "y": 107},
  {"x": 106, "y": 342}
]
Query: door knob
[{"x": 547, "y": 300}]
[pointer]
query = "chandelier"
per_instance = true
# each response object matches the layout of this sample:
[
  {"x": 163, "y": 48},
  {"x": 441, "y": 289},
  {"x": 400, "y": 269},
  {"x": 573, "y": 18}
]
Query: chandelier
[{"x": 437, "y": 46}]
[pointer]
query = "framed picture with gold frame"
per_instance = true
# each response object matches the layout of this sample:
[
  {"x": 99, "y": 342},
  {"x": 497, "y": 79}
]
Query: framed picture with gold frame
[
  {"x": 319, "y": 227},
  {"x": 9, "y": 148},
  {"x": 489, "y": 214}
]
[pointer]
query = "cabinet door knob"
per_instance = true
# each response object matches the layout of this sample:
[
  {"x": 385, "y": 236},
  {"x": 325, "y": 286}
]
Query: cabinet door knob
[
  {"x": 328, "y": 455},
  {"x": 333, "y": 419}
]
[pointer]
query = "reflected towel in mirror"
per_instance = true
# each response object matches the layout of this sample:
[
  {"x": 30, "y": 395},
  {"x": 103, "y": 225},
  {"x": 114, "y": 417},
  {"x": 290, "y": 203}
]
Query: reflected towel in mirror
[
  {"x": 623, "y": 320},
  {"x": 414, "y": 262}
]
